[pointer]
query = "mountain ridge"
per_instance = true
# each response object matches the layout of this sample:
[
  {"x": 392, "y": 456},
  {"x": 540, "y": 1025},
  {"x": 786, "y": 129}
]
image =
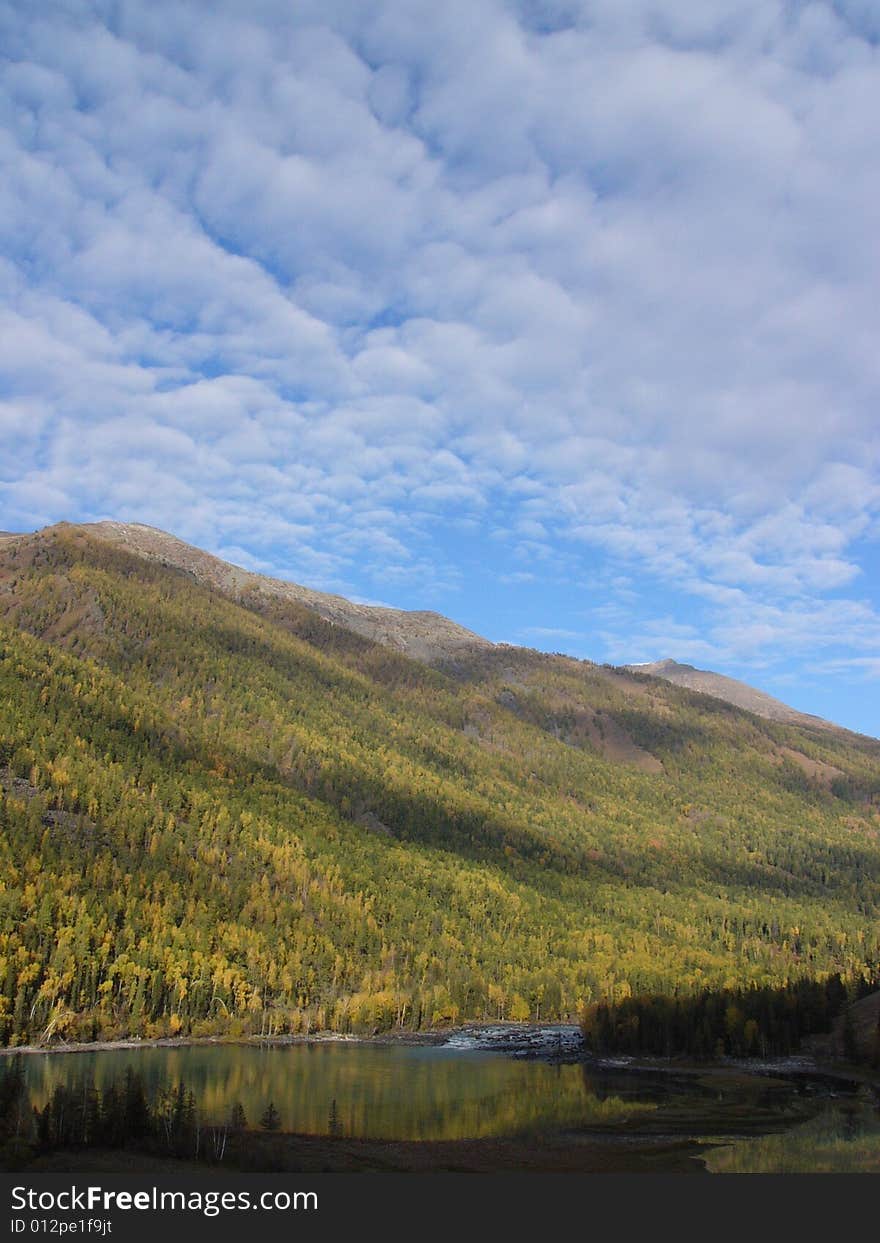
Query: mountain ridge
[
  {"x": 731, "y": 690},
  {"x": 423, "y": 635}
]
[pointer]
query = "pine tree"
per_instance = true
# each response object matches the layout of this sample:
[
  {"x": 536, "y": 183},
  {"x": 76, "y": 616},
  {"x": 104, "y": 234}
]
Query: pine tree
[
  {"x": 270, "y": 1120},
  {"x": 237, "y": 1117}
]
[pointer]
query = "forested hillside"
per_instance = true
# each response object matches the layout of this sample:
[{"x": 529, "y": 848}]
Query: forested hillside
[{"x": 230, "y": 815}]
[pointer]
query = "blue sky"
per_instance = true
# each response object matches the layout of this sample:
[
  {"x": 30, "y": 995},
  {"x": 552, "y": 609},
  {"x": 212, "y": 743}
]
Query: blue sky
[{"x": 558, "y": 317}]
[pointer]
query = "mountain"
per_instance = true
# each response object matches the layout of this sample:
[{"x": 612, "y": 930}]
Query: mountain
[
  {"x": 730, "y": 690},
  {"x": 424, "y": 636},
  {"x": 420, "y": 635},
  {"x": 226, "y": 807}
]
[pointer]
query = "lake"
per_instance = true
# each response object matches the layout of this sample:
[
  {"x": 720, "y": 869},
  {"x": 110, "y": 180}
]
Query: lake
[
  {"x": 381, "y": 1091},
  {"x": 401, "y": 1092}
]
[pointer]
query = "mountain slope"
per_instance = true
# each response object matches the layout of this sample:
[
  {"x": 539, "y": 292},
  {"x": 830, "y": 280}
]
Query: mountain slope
[
  {"x": 425, "y": 636},
  {"x": 223, "y": 812},
  {"x": 730, "y": 690},
  {"x": 421, "y": 635}
]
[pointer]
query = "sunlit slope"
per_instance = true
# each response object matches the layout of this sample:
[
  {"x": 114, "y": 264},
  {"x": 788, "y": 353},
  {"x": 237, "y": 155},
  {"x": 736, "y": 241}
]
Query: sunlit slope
[{"x": 226, "y": 814}]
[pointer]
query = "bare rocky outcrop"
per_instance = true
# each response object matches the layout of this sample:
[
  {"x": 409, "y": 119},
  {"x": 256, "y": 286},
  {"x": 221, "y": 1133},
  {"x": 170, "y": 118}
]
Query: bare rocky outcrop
[
  {"x": 64, "y": 823},
  {"x": 730, "y": 690}
]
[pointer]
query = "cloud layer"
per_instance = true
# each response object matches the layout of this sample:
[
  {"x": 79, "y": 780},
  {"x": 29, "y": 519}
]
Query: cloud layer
[{"x": 586, "y": 287}]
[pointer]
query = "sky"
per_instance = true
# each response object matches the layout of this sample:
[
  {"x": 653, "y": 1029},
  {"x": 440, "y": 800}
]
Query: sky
[{"x": 559, "y": 317}]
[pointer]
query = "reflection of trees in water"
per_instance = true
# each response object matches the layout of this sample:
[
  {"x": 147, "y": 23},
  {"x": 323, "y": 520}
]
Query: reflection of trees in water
[
  {"x": 379, "y": 1092},
  {"x": 626, "y": 1086},
  {"x": 840, "y": 1139}
]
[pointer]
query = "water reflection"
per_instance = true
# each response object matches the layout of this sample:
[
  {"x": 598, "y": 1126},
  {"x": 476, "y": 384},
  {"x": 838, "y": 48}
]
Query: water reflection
[
  {"x": 842, "y": 1139},
  {"x": 383, "y": 1092}
]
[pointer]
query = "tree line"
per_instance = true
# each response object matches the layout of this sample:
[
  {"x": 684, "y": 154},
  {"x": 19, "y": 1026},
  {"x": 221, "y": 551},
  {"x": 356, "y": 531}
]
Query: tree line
[{"x": 732, "y": 1022}]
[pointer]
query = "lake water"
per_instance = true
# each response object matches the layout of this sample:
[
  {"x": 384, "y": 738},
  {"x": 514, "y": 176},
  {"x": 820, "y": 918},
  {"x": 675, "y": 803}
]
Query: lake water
[
  {"x": 459, "y": 1092},
  {"x": 356, "y": 1090}
]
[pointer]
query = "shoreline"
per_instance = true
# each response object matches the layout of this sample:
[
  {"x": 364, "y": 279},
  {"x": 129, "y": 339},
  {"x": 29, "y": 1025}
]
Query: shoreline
[
  {"x": 555, "y": 1043},
  {"x": 184, "y": 1042},
  {"x": 433, "y": 1036}
]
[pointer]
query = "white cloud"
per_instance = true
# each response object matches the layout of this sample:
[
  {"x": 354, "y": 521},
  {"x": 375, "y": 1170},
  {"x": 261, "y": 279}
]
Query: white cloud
[{"x": 582, "y": 280}]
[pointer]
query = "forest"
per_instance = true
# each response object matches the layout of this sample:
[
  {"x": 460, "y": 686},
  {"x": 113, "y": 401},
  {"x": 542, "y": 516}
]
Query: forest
[
  {"x": 225, "y": 816},
  {"x": 730, "y": 1023}
]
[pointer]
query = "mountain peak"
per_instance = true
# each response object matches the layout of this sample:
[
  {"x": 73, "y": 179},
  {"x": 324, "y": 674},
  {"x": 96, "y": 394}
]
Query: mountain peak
[{"x": 731, "y": 691}]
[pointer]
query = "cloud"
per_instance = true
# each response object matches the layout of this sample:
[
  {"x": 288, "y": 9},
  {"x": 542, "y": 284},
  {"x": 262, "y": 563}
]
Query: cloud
[
  {"x": 325, "y": 284},
  {"x": 866, "y": 666},
  {"x": 551, "y": 632}
]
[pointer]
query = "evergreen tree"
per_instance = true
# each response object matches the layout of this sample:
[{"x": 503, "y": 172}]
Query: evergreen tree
[
  {"x": 237, "y": 1117},
  {"x": 270, "y": 1119}
]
